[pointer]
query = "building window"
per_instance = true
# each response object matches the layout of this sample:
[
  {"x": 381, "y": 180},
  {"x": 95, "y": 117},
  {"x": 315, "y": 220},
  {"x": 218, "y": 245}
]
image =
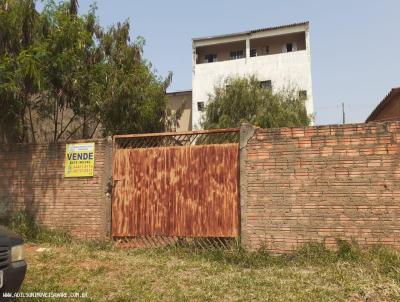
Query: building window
[
  {"x": 210, "y": 58},
  {"x": 253, "y": 52},
  {"x": 238, "y": 54},
  {"x": 266, "y": 84},
  {"x": 267, "y": 50},
  {"x": 303, "y": 94},
  {"x": 200, "y": 106},
  {"x": 289, "y": 47}
]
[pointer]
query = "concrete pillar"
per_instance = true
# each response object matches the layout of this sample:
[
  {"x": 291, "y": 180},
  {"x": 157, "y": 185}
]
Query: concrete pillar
[
  {"x": 106, "y": 185},
  {"x": 246, "y": 133},
  {"x": 247, "y": 49},
  {"x": 309, "y": 102},
  {"x": 194, "y": 57}
]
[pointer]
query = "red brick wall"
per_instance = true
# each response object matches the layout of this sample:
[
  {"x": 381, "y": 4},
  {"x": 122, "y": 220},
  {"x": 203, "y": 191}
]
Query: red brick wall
[
  {"x": 32, "y": 177},
  {"x": 321, "y": 183}
]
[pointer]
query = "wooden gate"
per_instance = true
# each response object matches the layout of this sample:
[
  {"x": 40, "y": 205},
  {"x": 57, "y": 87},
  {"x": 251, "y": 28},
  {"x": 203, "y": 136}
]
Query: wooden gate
[{"x": 176, "y": 185}]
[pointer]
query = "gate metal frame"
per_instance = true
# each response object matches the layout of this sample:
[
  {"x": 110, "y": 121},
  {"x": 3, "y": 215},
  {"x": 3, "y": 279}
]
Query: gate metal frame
[{"x": 168, "y": 139}]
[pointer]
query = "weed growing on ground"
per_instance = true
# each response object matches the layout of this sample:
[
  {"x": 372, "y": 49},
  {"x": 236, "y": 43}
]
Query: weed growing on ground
[
  {"x": 24, "y": 224},
  {"x": 312, "y": 273},
  {"x": 107, "y": 273}
]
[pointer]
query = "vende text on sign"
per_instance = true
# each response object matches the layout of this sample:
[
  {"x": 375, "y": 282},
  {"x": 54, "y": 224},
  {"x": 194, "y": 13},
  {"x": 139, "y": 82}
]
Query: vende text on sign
[{"x": 79, "y": 160}]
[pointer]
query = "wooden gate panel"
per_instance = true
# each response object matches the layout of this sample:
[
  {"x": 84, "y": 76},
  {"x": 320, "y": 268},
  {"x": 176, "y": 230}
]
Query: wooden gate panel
[{"x": 176, "y": 191}]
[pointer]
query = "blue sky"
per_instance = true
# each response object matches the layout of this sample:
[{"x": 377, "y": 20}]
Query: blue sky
[{"x": 355, "y": 45}]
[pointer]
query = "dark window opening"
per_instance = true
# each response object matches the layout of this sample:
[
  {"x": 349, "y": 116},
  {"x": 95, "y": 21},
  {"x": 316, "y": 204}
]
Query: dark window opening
[
  {"x": 210, "y": 58},
  {"x": 289, "y": 47},
  {"x": 303, "y": 94},
  {"x": 253, "y": 52},
  {"x": 266, "y": 84},
  {"x": 238, "y": 54},
  {"x": 200, "y": 106}
]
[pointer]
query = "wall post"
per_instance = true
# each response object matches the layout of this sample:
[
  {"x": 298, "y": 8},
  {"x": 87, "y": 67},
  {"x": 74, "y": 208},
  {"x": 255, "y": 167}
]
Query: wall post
[
  {"x": 246, "y": 133},
  {"x": 107, "y": 184}
]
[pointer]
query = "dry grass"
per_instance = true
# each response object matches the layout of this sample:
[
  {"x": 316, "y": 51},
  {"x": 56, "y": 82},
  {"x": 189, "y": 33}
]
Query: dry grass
[{"x": 312, "y": 274}]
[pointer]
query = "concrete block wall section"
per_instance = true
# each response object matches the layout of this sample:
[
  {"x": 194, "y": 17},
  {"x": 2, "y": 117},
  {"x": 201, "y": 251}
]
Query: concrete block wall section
[
  {"x": 32, "y": 178},
  {"x": 320, "y": 183}
]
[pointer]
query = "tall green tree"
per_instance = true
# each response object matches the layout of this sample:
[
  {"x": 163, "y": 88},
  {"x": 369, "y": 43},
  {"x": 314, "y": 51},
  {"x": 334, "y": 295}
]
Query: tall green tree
[
  {"x": 19, "y": 66},
  {"x": 74, "y": 70},
  {"x": 63, "y": 72},
  {"x": 243, "y": 99},
  {"x": 135, "y": 99}
]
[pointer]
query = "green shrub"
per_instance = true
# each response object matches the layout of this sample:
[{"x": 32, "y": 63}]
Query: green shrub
[
  {"x": 313, "y": 253},
  {"x": 348, "y": 250},
  {"x": 23, "y": 223},
  {"x": 387, "y": 260}
]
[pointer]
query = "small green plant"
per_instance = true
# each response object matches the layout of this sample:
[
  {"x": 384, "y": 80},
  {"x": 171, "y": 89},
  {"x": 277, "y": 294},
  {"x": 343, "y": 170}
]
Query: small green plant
[
  {"x": 99, "y": 245},
  {"x": 313, "y": 252},
  {"x": 348, "y": 250},
  {"x": 22, "y": 223},
  {"x": 387, "y": 260}
]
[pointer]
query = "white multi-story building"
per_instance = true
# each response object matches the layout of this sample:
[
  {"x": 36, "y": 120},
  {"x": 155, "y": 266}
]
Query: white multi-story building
[{"x": 278, "y": 56}]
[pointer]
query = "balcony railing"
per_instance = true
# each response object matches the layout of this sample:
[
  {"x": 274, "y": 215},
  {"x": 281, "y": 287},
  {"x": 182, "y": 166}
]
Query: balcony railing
[{"x": 249, "y": 59}]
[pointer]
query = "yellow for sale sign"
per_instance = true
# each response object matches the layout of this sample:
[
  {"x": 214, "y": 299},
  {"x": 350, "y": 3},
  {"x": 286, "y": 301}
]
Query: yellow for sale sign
[{"x": 79, "y": 160}]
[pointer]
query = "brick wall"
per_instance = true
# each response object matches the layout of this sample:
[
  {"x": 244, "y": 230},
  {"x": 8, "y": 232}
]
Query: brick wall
[
  {"x": 320, "y": 183},
  {"x": 32, "y": 177}
]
